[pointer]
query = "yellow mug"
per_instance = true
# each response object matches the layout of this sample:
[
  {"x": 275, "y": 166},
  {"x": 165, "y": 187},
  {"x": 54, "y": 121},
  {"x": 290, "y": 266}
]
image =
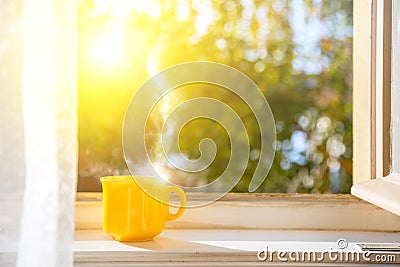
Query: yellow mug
[{"x": 130, "y": 213}]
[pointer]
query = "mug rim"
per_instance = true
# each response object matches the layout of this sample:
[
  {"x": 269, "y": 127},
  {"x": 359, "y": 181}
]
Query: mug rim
[
  {"x": 118, "y": 178},
  {"x": 131, "y": 179}
]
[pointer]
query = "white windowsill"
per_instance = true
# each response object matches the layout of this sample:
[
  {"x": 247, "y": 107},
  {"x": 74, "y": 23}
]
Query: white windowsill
[
  {"x": 214, "y": 247},
  {"x": 264, "y": 212},
  {"x": 196, "y": 247},
  {"x": 234, "y": 228}
]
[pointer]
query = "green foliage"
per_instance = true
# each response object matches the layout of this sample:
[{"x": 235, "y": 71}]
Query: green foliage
[{"x": 298, "y": 52}]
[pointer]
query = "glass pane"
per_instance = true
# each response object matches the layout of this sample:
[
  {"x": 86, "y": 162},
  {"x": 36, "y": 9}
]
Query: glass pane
[{"x": 298, "y": 52}]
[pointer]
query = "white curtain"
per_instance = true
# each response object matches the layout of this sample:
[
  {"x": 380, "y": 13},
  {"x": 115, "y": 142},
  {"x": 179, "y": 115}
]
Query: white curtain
[{"x": 38, "y": 138}]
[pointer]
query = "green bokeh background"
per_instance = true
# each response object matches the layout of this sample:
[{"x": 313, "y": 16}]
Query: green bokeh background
[{"x": 299, "y": 53}]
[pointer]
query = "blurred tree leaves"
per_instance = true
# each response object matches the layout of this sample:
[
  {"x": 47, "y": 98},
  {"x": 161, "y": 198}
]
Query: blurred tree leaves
[{"x": 299, "y": 53}]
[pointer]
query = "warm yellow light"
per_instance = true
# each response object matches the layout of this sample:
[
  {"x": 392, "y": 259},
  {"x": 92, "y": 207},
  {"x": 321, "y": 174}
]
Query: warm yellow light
[
  {"x": 121, "y": 8},
  {"x": 108, "y": 50}
]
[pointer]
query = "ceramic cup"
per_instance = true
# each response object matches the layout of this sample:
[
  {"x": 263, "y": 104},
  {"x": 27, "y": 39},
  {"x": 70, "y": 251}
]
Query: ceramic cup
[{"x": 132, "y": 214}]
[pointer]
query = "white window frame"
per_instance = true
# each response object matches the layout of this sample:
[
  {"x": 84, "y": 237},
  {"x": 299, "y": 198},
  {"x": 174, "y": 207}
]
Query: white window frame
[
  {"x": 375, "y": 180},
  {"x": 369, "y": 160},
  {"x": 311, "y": 212}
]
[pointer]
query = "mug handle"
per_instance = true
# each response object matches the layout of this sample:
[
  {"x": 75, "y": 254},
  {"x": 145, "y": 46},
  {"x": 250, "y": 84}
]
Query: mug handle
[{"x": 182, "y": 205}]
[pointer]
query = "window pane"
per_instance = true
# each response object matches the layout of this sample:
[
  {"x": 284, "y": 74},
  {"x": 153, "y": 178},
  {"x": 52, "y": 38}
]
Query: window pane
[{"x": 299, "y": 53}]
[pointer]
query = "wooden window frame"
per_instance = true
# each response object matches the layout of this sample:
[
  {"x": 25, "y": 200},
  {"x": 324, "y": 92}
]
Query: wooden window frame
[
  {"x": 375, "y": 180},
  {"x": 371, "y": 89},
  {"x": 371, "y": 157}
]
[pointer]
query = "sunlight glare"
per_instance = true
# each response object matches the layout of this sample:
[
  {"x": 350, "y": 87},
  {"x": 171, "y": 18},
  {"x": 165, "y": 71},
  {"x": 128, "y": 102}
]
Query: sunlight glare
[
  {"x": 108, "y": 50},
  {"x": 121, "y": 8}
]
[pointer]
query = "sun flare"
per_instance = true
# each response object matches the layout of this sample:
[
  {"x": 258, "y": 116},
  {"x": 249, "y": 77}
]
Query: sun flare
[{"x": 107, "y": 50}]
